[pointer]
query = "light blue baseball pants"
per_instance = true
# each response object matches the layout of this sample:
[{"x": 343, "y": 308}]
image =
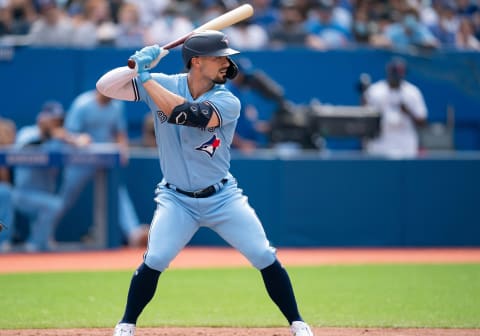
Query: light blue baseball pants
[{"x": 178, "y": 217}]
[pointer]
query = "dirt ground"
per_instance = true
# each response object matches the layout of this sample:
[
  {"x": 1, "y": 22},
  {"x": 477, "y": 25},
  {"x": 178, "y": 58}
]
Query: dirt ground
[
  {"x": 128, "y": 259},
  {"x": 244, "y": 332}
]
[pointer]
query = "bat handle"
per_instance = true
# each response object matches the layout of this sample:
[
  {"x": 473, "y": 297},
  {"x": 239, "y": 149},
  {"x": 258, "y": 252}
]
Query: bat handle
[{"x": 131, "y": 63}]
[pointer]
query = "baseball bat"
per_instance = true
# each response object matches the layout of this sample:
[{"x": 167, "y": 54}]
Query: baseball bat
[{"x": 223, "y": 21}]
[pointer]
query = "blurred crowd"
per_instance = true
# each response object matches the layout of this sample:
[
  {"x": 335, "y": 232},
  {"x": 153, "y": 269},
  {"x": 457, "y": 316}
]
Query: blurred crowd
[{"x": 316, "y": 24}]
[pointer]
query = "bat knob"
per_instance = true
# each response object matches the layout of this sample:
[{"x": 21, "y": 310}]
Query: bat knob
[{"x": 131, "y": 64}]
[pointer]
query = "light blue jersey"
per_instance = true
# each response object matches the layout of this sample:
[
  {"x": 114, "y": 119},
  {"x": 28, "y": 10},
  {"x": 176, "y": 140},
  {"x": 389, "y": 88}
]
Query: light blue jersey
[
  {"x": 101, "y": 122},
  {"x": 193, "y": 158}
]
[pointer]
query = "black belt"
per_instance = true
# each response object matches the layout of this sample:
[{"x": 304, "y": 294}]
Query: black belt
[{"x": 203, "y": 193}]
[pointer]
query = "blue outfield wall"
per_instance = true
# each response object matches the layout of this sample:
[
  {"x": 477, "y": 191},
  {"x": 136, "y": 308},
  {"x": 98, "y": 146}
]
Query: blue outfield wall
[
  {"x": 313, "y": 201},
  {"x": 32, "y": 75},
  {"x": 346, "y": 202}
]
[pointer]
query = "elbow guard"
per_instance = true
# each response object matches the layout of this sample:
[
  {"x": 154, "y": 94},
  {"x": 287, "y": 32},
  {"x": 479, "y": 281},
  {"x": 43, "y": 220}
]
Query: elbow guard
[{"x": 192, "y": 114}]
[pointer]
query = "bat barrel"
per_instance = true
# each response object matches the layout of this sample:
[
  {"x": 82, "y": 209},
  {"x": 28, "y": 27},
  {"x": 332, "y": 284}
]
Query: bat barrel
[{"x": 225, "y": 20}]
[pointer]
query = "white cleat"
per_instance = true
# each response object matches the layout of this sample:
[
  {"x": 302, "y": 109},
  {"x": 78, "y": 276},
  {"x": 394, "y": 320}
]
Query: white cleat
[
  {"x": 300, "y": 328},
  {"x": 124, "y": 329}
]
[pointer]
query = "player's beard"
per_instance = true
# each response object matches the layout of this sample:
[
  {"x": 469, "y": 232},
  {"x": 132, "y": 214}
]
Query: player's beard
[{"x": 220, "y": 79}]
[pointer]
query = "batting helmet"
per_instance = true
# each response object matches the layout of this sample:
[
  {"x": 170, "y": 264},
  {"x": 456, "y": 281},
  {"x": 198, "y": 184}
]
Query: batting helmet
[{"x": 209, "y": 43}]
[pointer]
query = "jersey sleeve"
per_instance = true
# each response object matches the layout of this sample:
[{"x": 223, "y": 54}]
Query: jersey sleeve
[
  {"x": 142, "y": 95},
  {"x": 227, "y": 106}
]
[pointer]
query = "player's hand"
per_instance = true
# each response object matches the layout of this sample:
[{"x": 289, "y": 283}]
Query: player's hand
[
  {"x": 82, "y": 140},
  {"x": 148, "y": 57}
]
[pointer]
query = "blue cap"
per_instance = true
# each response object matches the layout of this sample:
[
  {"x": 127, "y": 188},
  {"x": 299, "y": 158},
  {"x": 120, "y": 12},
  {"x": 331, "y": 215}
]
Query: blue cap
[{"x": 52, "y": 109}]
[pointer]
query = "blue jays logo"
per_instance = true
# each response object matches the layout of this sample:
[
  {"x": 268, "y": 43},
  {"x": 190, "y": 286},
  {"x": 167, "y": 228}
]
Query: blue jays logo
[{"x": 210, "y": 146}]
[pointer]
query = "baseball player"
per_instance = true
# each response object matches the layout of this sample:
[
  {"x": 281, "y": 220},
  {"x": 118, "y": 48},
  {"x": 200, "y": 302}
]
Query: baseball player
[
  {"x": 103, "y": 119},
  {"x": 34, "y": 192},
  {"x": 195, "y": 118}
]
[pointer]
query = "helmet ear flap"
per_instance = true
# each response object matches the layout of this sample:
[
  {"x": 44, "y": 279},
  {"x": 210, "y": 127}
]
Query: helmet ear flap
[{"x": 232, "y": 70}]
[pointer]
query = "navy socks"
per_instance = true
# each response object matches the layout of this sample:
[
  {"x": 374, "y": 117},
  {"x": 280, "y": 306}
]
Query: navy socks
[
  {"x": 279, "y": 287},
  {"x": 277, "y": 282},
  {"x": 141, "y": 291}
]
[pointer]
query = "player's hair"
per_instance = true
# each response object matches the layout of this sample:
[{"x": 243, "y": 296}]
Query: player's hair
[{"x": 397, "y": 67}]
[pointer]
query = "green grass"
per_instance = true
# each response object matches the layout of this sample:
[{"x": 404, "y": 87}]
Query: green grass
[{"x": 347, "y": 296}]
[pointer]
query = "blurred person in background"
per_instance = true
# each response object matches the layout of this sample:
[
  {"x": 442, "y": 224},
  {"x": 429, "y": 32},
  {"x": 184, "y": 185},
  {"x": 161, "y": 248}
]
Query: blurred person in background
[
  {"x": 191, "y": 9},
  {"x": 343, "y": 13},
  {"x": 114, "y": 8},
  {"x": 265, "y": 14},
  {"x": 402, "y": 109},
  {"x": 7, "y": 138},
  {"x": 93, "y": 25},
  {"x": 465, "y": 36},
  {"x": 446, "y": 26},
  {"x": 52, "y": 28},
  {"x": 104, "y": 120},
  {"x": 362, "y": 29},
  {"x": 379, "y": 25},
  {"x": 429, "y": 11},
  {"x": 5, "y": 21},
  {"x": 246, "y": 35},
  {"x": 172, "y": 24},
  {"x": 289, "y": 30},
  {"x": 476, "y": 24},
  {"x": 330, "y": 32},
  {"x": 466, "y": 8},
  {"x": 35, "y": 188},
  {"x": 129, "y": 32},
  {"x": 410, "y": 33},
  {"x": 16, "y": 17},
  {"x": 150, "y": 10}
]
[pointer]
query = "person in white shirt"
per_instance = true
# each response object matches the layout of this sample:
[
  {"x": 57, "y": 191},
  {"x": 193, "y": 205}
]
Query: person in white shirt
[{"x": 402, "y": 108}]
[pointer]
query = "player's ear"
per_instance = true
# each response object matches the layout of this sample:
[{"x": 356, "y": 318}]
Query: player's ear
[{"x": 194, "y": 61}]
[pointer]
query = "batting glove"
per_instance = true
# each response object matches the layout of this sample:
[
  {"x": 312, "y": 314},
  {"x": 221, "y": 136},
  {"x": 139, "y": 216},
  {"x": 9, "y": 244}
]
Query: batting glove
[{"x": 146, "y": 59}]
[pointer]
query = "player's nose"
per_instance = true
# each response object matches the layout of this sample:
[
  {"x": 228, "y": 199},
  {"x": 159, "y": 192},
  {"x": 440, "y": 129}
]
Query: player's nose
[{"x": 225, "y": 61}]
